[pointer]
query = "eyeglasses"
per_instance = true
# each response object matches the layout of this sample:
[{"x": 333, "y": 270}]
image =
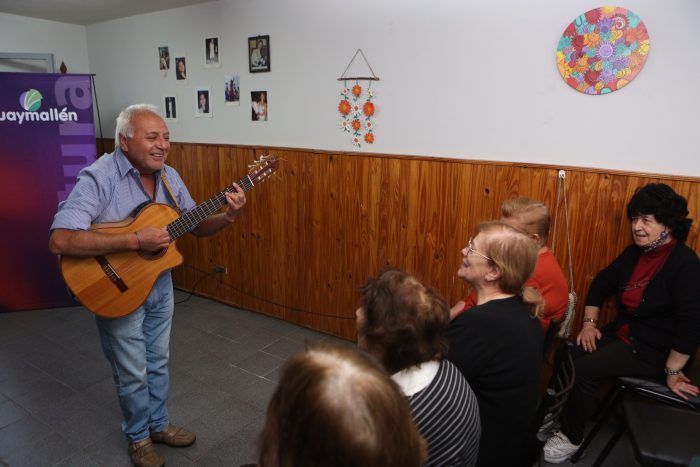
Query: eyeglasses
[{"x": 470, "y": 249}]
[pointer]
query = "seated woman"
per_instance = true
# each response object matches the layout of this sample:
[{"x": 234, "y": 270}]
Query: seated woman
[
  {"x": 497, "y": 345},
  {"x": 402, "y": 323},
  {"x": 532, "y": 218},
  {"x": 656, "y": 285},
  {"x": 336, "y": 406}
]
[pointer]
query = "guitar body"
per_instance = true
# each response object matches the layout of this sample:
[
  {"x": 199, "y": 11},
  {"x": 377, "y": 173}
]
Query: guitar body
[{"x": 115, "y": 285}]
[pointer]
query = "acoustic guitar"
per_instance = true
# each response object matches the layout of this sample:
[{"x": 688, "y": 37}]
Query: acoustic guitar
[{"x": 116, "y": 284}]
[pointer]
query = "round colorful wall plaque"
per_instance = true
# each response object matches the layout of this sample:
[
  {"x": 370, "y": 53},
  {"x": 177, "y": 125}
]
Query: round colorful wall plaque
[{"x": 603, "y": 50}]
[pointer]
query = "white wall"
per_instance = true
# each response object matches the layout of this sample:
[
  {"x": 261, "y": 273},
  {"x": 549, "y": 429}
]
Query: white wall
[
  {"x": 464, "y": 79},
  {"x": 68, "y": 43}
]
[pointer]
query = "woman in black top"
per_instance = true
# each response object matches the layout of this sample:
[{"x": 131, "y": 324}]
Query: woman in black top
[
  {"x": 497, "y": 345},
  {"x": 657, "y": 327}
]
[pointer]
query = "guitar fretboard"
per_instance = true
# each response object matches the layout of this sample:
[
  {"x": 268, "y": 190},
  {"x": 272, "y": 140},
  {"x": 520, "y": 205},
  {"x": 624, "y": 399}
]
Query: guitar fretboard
[{"x": 193, "y": 217}]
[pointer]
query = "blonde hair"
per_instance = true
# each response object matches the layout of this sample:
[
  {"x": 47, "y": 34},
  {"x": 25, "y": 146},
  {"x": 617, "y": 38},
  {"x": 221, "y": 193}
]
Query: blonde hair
[
  {"x": 335, "y": 405},
  {"x": 531, "y": 215},
  {"x": 515, "y": 255}
]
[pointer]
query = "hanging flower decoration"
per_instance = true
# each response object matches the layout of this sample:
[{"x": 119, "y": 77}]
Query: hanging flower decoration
[
  {"x": 603, "y": 50},
  {"x": 344, "y": 107},
  {"x": 357, "y": 109}
]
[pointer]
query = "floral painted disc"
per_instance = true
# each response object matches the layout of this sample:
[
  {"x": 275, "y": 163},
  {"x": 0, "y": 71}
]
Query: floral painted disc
[{"x": 603, "y": 50}]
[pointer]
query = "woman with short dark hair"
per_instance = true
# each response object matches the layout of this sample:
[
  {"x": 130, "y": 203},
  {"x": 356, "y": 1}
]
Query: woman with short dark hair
[
  {"x": 657, "y": 327},
  {"x": 402, "y": 323}
]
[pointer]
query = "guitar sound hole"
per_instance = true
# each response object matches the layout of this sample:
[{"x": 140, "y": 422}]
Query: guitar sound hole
[{"x": 151, "y": 255}]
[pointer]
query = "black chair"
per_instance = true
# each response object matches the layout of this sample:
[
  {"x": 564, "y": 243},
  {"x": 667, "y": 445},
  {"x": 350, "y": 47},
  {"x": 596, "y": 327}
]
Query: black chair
[
  {"x": 663, "y": 435},
  {"x": 551, "y": 405},
  {"x": 652, "y": 388}
]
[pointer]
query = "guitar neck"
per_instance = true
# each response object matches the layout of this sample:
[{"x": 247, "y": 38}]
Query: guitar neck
[{"x": 192, "y": 218}]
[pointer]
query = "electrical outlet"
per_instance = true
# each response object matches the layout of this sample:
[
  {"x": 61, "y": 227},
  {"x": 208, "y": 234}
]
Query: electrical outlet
[{"x": 220, "y": 269}]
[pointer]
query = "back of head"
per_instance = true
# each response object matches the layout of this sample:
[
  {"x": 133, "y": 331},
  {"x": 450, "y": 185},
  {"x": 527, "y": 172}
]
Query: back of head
[
  {"x": 667, "y": 206},
  {"x": 516, "y": 256},
  {"x": 531, "y": 216},
  {"x": 126, "y": 117},
  {"x": 403, "y": 321},
  {"x": 336, "y": 406}
]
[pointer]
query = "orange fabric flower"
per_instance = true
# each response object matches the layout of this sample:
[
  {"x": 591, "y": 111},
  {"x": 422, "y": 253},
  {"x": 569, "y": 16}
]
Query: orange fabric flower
[
  {"x": 356, "y": 124},
  {"x": 356, "y": 90},
  {"x": 368, "y": 109},
  {"x": 344, "y": 107},
  {"x": 369, "y": 137}
]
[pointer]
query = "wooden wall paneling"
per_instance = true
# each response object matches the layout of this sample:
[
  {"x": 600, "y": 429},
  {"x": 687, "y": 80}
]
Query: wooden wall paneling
[
  {"x": 461, "y": 206},
  {"x": 206, "y": 255},
  {"x": 438, "y": 229},
  {"x": 392, "y": 221},
  {"x": 180, "y": 157},
  {"x": 294, "y": 189},
  {"x": 276, "y": 198},
  {"x": 230, "y": 242},
  {"x": 309, "y": 238}
]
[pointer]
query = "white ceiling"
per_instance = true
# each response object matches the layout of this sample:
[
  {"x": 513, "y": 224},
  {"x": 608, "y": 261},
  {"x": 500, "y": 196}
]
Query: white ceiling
[{"x": 88, "y": 11}]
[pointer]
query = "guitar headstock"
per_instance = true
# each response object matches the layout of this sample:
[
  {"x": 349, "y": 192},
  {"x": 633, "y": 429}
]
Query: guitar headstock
[{"x": 263, "y": 168}]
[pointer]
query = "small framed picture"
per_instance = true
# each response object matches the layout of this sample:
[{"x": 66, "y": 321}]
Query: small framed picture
[
  {"x": 232, "y": 90},
  {"x": 259, "y": 106},
  {"x": 170, "y": 107},
  {"x": 203, "y": 105},
  {"x": 163, "y": 58},
  {"x": 180, "y": 69},
  {"x": 211, "y": 52},
  {"x": 259, "y": 54}
]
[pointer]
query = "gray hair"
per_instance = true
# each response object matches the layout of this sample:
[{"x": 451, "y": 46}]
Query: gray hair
[{"x": 125, "y": 117}]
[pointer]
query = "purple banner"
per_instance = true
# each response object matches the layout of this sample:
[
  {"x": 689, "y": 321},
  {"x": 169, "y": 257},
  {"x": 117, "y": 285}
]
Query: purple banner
[{"x": 47, "y": 135}]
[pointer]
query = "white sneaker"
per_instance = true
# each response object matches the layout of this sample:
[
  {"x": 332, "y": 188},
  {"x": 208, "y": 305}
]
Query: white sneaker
[{"x": 558, "y": 448}]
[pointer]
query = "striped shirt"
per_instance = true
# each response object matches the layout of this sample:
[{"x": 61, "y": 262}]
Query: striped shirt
[
  {"x": 110, "y": 189},
  {"x": 445, "y": 411}
]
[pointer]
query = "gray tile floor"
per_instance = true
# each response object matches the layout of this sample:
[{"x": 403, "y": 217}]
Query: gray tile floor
[{"x": 58, "y": 406}]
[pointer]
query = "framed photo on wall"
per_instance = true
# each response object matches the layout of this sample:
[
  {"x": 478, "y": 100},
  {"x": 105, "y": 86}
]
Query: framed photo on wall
[
  {"x": 259, "y": 104},
  {"x": 259, "y": 54},
  {"x": 170, "y": 107},
  {"x": 204, "y": 107},
  {"x": 211, "y": 52},
  {"x": 163, "y": 58},
  {"x": 232, "y": 90},
  {"x": 180, "y": 69}
]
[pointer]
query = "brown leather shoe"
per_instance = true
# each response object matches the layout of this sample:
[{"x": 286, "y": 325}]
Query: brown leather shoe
[
  {"x": 144, "y": 454},
  {"x": 174, "y": 436}
]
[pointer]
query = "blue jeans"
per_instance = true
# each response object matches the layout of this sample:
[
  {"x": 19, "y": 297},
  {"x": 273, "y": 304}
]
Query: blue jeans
[{"x": 138, "y": 347}]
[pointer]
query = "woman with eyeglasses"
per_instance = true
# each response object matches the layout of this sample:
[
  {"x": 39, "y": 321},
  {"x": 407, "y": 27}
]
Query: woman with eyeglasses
[
  {"x": 532, "y": 218},
  {"x": 497, "y": 344},
  {"x": 656, "y": 284}
]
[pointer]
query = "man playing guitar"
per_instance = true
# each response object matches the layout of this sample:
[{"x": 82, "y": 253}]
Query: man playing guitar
[{"x": 137, "y": 344}]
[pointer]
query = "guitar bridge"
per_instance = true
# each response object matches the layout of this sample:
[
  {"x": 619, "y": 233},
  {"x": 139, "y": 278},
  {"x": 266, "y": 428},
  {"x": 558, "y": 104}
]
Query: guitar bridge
[{"x": 111, "y": 273}]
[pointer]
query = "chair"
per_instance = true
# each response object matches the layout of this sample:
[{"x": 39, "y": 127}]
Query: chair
[
  {"x": 652, "y": 388},
  {"x": 551, "y": 405},
  {"x": 663, "y": 435}
]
